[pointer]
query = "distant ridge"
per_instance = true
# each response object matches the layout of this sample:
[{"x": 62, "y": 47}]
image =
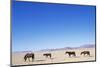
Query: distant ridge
[
  {"x": 83, "y": 46},
  {"x": 87, "y": 46},
  {"x": 22, "y": 51},
  {"x": 65, "y": 48}
]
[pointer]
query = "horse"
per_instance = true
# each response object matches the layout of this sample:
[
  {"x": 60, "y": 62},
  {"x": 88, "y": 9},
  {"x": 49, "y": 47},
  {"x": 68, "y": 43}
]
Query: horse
[
  {"x": 85, "y": 52},
  {"x": 47, "y": 55},
  {"x": 70, "y": 53},
  {"x": 28, "y": 56}
]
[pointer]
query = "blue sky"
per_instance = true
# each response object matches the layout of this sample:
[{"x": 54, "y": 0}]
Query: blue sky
[{"x": 37, "y": 26}]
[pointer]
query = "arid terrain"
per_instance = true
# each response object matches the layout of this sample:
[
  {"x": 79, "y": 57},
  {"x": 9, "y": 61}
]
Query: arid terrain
[{"x": 58, "y": 56}]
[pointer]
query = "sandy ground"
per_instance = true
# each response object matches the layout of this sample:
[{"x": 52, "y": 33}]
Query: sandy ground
[{"x": 58, "y": 56}]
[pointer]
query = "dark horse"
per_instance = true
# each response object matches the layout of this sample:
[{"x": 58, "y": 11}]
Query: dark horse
[
  {"x": 47, "y": 55},
  {"x": 70, "y": 53},
  {"x": 85, "y": 53},
  {"x": 28, "y": 56}
]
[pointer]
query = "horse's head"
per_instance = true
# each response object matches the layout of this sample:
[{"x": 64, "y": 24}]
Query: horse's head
[
  {"x": 81, "y": 53},
  {"x": 66, "y": 52},
  {"x": 43, "y": 54}
]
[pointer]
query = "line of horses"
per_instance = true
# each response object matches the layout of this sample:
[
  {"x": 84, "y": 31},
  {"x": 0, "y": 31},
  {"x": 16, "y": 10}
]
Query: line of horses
[{"x": 70, "y": 53}]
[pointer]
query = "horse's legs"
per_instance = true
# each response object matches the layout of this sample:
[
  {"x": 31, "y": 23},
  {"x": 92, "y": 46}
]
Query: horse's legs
[
  {"x": 29, "y": 59},
  {"x": 50, "y": 56},
  {"x": 32, "y": 59},
  {"x": 69, "y": 55},
  {"x": 46, "y": 56},
  {"x": 74, "y": 54},
  {"x": 84, "y": 54}
]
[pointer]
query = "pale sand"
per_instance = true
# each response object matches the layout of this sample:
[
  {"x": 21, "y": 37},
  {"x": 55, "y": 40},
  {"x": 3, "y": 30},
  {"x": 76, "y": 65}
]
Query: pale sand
[{"x": 58, "y": 56}]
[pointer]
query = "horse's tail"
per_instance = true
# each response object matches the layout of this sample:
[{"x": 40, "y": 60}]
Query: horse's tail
[
  {"x": 25, "y": 57},
  {"x": 32, "y": 57},
  {"x": 89, "y": 53}
]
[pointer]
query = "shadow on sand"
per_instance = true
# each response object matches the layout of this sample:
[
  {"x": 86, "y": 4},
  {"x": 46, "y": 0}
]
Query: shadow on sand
[{"x": 39, "y": 60}]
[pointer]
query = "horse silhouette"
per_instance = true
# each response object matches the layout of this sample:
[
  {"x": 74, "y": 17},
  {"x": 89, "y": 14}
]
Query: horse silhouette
[
  {"x": 70, "y": 53},
  {"x": 85, "y": 53},
  {"x": 28, "y": 56},
  {"x": 47, "y": 55}
]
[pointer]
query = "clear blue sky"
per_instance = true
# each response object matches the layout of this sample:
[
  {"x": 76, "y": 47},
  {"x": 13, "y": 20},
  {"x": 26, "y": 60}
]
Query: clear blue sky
[{"x": 37, "y": 26}]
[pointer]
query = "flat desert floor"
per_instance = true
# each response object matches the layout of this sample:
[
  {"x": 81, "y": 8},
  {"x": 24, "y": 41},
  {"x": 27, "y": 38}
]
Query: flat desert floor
[{"x": 58, "y": 56}]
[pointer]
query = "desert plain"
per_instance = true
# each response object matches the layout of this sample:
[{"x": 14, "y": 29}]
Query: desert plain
[{"x": 57, "y": 56}]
